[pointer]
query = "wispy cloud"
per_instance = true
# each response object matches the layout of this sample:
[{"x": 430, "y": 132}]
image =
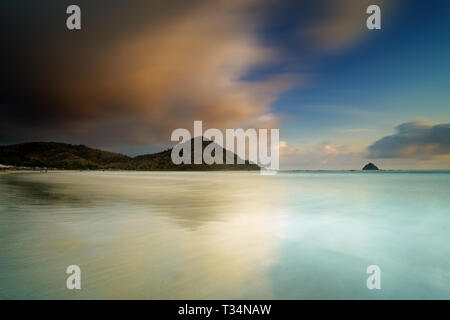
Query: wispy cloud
[
  {"x": 356, "y": 130},
  {"x": 324, "y": 155},
  {"x": 342, "y": 23}
]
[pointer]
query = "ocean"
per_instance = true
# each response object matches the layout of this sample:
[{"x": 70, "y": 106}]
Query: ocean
[{"x": 225, "y": 235}]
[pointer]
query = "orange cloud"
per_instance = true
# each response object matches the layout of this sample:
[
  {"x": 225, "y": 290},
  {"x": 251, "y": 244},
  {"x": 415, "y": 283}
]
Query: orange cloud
[{"x": 184, "y": 66}]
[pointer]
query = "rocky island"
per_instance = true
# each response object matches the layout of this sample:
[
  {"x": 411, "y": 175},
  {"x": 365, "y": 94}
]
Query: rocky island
[{"x": 370, "y": 166}]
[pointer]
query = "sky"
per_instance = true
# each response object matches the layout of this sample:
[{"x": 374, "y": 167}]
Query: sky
[{"x": 341, "y": 95}]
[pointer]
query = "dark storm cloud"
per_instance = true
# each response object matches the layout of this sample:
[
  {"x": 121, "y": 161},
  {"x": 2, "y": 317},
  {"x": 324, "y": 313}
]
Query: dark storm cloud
[
  {"x": 139, "y": 69},
  {"x": 136, "y": 71},
  {"x": 415, "y": 140}
]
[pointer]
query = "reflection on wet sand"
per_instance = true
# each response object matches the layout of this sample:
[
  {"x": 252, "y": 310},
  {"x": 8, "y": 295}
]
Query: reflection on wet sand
[
  {"x": 229, "y": 235},
  {"x": 150, "y": 236}
]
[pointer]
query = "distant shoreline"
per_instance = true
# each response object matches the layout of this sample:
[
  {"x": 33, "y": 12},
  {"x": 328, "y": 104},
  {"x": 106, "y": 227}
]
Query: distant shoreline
[
  {"x": 106, "y": 171},
  {"x": 9, "y": 171}
]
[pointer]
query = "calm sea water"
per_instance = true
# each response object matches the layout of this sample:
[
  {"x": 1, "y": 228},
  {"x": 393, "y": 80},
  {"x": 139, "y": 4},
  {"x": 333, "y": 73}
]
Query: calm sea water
[{"x": 296, "y": 235}]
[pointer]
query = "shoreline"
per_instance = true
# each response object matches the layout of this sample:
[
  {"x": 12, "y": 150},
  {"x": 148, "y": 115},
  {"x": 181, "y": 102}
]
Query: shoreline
[{"x": 8, "y": 171}]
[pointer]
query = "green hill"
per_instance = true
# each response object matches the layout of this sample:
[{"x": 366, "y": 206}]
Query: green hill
[{"x": 80, "y": 157}]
